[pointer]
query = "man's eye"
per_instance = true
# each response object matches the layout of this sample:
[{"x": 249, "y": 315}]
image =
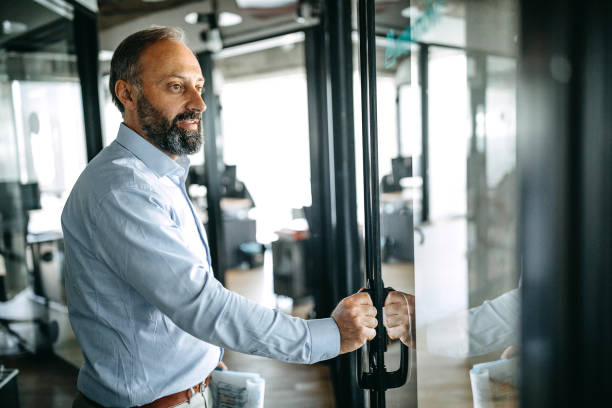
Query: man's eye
[
  {"x": 175, "y": 87},
  {"x": 201, "y": 90}
]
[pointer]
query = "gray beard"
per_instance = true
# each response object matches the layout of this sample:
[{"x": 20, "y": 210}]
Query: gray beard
[{"x": 169, "y": 137}]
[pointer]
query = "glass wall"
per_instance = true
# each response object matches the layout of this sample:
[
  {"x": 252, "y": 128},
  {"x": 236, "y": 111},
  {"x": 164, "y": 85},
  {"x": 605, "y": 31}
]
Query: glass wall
[
  {"x": 265, "y": 125},
  {"x": 264, "y": 121},
  {"x": 43, "y": 144},
  {"x": 449, "y": 209}
]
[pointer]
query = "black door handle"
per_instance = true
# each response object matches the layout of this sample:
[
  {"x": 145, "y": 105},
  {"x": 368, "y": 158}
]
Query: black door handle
[{"x": 379, "y": 379}]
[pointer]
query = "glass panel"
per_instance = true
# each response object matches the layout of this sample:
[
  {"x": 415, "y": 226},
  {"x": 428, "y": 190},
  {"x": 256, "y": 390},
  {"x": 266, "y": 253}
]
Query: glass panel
[
  {"x": 462, "y": 194},
  {"x": 260, "y": 144},
  {"x": 265, "y": 150},
  {"x": 468, "y": 305},
  {"x": 266, "y": 171},
  {"x": 43, "y": 144}
]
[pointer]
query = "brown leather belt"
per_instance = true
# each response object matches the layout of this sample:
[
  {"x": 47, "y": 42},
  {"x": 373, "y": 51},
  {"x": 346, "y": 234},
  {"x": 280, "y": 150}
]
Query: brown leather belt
[{"x": 176, "y": 398}]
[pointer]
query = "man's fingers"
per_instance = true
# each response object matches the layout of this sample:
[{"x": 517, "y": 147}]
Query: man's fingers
[
  {"x": 361, "y": 298},
  {"x": 370, "y": 322},
  {"x": 395, "y": 320},
  {"x": 399, "y": 297},
  {"x": 394, "y": 297},
  {"x": 356, "y": 317},
  {"x": 370, "y": 333},
  {"x": 397, "y": 331},
  {"x": 396, "y": 309},
  {"x": 367, "y": 310}
]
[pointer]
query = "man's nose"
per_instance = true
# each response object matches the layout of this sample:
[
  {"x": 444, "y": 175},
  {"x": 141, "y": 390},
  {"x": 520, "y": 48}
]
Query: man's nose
[{"x": 196, "y": 103}]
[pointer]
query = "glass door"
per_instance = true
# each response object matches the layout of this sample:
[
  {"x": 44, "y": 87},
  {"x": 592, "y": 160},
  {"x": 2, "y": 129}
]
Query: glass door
[{"x": 447, "y": 81}]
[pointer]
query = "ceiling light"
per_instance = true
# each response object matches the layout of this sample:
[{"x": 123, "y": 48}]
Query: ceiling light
[
  {"x": 411, "y": 12},
  {"x": 225, "y": 19},
  {"x": 191, "y": 18},
  {"x": 229, "y": 19},
  {"x": 105, "y": 55},
  {"x": 13, "y": 27}
]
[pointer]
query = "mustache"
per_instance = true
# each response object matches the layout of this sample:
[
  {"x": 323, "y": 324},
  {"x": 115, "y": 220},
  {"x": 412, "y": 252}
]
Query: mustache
[{"x": 186, "y": 115}]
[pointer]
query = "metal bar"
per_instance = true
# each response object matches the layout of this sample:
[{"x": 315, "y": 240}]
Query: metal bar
[
  {"x": 321, "y": 211},
  {"x": 341, "y": 124},
  {"x": 367, "y": 53},
  {"x": 380, "y": 344},
  {"x": 398, "y": 121},
  {"x": 85, "y": 28},
  {"x": 346, "y": 275},
  {"x": 424, "y": 82},
  {"x": 216, "y": 242},
  {"x": 595, "y": 263},
  {"x": 365, "y": 134}
]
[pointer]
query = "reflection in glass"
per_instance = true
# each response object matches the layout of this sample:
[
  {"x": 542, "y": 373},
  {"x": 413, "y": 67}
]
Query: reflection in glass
[{"x": 468, "y": 301}]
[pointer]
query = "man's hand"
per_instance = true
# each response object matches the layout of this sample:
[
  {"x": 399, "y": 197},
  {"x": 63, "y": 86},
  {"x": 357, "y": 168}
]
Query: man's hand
[
  {"x": 222, "y": 366},
  {"x": 356, "y": 319},
  {"x": 399, "y": 317},
  {"x": 509, "y": 352}
]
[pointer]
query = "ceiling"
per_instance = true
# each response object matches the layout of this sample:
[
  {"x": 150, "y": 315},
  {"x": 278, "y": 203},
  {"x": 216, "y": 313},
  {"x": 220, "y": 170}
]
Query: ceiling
[
  {"x": 41, "y": 29},
  {"x": 119, "y": 18},
  {"x": 269, "y": 18},
  {"x": 260, "y": 19},
  {"x": 115, "y": 12}
]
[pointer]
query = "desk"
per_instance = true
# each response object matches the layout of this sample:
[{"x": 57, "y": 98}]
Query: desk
[{"x": 47, "y": 250}]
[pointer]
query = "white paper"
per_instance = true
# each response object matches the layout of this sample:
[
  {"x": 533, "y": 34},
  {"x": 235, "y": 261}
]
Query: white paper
[
  {"x": 233, "y": 389},
  {"x": 502, "y": 371}
]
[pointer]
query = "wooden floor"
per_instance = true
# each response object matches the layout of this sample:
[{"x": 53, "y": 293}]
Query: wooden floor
[
  {"x": 43, "y": 380},
  {"x": 287, "y": 385}
]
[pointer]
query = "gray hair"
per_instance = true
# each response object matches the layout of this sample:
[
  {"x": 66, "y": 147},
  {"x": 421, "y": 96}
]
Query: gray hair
[{"x": 125, "y": 63}]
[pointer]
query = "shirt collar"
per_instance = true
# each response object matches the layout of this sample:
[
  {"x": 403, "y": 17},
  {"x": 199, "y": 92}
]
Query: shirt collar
[{"x": 150, "y": 155}]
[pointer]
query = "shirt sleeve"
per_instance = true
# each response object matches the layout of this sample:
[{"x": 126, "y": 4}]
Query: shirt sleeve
[
  {"x": 479, "y": 330},
  {"x": 136, "y": 236}
]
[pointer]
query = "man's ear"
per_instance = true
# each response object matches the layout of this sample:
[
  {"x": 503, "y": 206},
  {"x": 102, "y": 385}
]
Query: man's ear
[{"x": 126, "y": 93}]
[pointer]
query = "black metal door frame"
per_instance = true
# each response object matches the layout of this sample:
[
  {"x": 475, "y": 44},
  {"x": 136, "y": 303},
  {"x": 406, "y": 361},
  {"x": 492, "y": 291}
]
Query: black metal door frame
[
  {"x": 329, "y": 70},
  {"x": 565, "y": 159},
  {"x": 85, "y": 29},
  {"x": 215, "y": 233}
]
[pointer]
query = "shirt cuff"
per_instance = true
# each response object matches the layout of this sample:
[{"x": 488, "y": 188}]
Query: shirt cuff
[{"x": 324, "y": 339}]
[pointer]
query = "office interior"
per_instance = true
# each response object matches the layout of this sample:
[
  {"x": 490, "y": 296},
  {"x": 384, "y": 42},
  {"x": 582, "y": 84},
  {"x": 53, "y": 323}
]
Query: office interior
[{"x": 493, "y": 164}]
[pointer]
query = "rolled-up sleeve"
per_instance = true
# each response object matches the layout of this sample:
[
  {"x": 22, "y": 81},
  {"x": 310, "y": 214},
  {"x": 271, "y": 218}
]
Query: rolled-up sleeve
[{"x": 137, "y": 238}]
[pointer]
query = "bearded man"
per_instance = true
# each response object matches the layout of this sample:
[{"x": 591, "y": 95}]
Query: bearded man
[{"x": 151, "y": 319}]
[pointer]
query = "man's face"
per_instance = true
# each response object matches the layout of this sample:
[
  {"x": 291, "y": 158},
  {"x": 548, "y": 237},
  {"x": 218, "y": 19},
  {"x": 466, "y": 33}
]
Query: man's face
[
  {"x": 165, "y": 132},
  {"x": 169, "y": 105}
]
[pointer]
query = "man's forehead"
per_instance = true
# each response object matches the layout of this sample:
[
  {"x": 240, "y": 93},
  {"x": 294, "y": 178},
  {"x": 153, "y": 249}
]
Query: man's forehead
[
  {"x": 181, "y": 75},
  {"x": 171, "y": 58}
]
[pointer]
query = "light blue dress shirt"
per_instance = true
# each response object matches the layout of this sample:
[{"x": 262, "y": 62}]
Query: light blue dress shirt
[{"x": 148, "y": 313}]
